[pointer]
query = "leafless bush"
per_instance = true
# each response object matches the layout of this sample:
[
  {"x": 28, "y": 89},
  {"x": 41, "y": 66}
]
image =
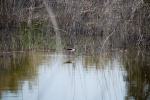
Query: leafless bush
[{"x": 127, "y": 20}]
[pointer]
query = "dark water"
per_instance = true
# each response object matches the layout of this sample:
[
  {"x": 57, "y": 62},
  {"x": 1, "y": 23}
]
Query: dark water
[{"x": 118, "y": 75}]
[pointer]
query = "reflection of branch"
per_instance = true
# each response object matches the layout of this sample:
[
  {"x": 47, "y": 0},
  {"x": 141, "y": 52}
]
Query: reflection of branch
[{"x": 103, "y": 46}]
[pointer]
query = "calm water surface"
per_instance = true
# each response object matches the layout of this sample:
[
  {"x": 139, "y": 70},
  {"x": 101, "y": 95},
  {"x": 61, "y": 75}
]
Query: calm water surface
[{"x": 51, "y": 76}]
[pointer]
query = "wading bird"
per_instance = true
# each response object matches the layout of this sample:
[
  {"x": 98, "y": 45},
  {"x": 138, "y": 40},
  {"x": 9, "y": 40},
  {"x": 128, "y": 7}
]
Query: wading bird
[{"x": 70, "y": 50}]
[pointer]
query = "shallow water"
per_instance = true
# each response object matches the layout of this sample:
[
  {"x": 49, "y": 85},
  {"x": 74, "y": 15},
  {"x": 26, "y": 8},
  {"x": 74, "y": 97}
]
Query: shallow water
[{"x": 51, "y": 76}]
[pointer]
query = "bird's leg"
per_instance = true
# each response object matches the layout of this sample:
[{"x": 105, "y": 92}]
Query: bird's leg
[{"x": 69, "y": 55}]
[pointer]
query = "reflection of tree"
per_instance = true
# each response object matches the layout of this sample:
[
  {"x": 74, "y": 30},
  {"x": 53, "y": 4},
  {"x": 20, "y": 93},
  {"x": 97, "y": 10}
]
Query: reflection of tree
[
  {"x": 98, "y": 61},
  {"x": 137, "y": 78},
  {"x": 15, "y": 69}
]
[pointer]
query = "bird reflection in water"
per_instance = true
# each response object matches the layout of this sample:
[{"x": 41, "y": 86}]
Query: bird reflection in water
[{"x": 69, "y": 50}]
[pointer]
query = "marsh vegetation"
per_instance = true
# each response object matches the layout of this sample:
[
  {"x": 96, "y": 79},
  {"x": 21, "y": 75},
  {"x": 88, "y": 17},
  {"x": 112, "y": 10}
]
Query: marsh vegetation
[
  {"x": 27, "y": 25},
  {"x": 111, "y": 60}
]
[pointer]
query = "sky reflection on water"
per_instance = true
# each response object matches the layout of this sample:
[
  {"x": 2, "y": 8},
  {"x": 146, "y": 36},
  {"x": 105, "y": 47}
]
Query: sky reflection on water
[
  {"x": 73, "y": 81},
  {"x": 80, "y": 80}
]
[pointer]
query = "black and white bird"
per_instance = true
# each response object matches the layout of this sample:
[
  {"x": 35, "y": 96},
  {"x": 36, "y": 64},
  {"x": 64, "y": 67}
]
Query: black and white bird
[{"x": 69, "y": 49}]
